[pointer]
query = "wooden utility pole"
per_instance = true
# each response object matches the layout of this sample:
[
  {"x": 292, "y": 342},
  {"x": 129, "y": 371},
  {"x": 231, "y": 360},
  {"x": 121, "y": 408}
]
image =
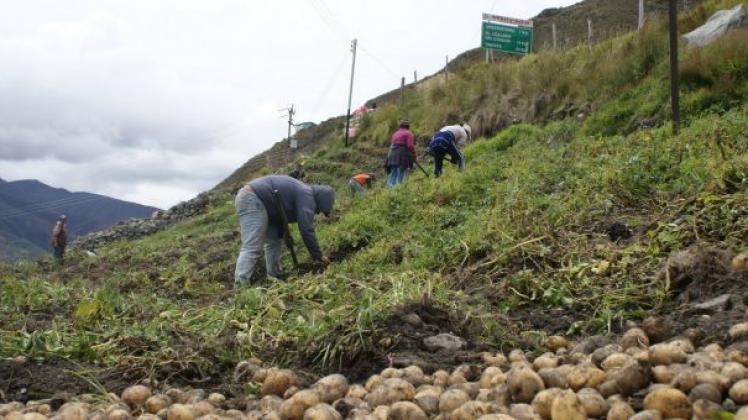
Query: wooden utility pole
[
  {"x": 291, "y": 111},
  {"x": 641, "y": 14},
  {"x": 553, "y": 26},
  {"x": 402, "y": 92},
  {"x": 589, "y": 31},
  {"x": 446, "y": 69},
  {"x": 354, "y": 43},
  {"x": 674, "y": 71},
  {"x": 415, "y": 76}
]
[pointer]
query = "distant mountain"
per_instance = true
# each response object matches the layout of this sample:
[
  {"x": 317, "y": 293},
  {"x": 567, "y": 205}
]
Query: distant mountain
[{"x": 29, "y": 209}]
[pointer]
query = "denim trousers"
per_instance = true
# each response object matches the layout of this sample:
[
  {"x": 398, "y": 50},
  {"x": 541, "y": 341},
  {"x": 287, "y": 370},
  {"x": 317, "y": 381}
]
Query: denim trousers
[
  {"x": 256, "y": 233},
  {"x": 397, "y": 176}
]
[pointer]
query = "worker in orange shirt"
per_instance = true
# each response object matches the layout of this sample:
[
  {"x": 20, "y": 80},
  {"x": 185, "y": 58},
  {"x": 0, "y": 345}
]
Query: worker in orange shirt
[{"x": 358, "y": 182}]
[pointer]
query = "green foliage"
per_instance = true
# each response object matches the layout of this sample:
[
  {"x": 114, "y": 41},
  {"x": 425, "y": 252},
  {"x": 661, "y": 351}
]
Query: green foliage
[{"x": 520, "y": 228}]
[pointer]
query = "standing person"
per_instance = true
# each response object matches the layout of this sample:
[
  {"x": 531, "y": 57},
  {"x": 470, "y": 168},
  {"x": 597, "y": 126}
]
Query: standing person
[
  {"x": 448, "y": 141},
  {"x": 358, "y": 182},
  {"x": 60, "y": 238},
  {"x": 402, "y": 154},
  {"x": 265, "y": 207}
]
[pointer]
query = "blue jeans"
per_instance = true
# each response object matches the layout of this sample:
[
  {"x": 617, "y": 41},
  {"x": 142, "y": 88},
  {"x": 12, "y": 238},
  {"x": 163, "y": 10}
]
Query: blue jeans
[
  {"x": 397, "y": 176},
  {"x": 443, "y": 148},
  {"x": 356, "y": 188},
  {"x": 256, "y": 232}
]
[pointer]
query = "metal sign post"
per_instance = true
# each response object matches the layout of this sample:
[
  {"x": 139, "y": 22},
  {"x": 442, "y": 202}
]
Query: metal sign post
[{"x": 510, "y": 35}]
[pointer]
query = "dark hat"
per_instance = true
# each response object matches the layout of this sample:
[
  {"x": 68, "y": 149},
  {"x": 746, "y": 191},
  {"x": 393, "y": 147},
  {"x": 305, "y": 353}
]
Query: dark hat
[{"x": 404, "y": 122}]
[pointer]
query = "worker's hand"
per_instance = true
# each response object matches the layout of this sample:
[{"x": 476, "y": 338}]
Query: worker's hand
[{"x": 324, "y": 260}]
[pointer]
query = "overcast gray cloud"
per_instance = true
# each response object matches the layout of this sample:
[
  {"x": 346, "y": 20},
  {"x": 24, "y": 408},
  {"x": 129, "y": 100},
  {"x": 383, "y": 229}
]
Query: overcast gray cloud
[{"x": 155, "y": 101}]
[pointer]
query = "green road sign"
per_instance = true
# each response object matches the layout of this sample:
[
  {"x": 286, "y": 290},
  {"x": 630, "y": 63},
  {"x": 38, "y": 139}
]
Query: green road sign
[{"x": 507, "y": 38}]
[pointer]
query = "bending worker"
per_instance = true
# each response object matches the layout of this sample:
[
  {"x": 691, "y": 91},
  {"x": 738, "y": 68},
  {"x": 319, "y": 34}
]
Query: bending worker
[
  {"x": 402, "y": 154},
  {"x": 448, "y": 141},
  {"x": 358, "y": 182},
  {"x": 265, "y": 207}
]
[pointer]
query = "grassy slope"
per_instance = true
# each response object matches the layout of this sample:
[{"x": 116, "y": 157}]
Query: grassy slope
[{"x": 523, "y": 227}]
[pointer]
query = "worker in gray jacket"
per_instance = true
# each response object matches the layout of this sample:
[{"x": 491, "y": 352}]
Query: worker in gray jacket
[{"x": 265, "y": 207}]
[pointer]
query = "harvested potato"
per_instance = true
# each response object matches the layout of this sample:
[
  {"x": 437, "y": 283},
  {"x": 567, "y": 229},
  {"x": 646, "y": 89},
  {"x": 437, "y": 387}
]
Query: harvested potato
[
  {"x": 294, "y": 407},
  {"x": 615, "y": 361},
  {"x": 556, "y": 342},
  {"x": 739, "y": 391},
  {"x": 734, "y": 372},
  {"x": 742, "y": 414},
  {"x": 470, "y": 410},
  {"x": 711, "y": 377},
  {"x": 290, "y": 391},
  {"x": 586, "y": 376},
  {"x": 685, "y": 380},
  {"x": 635, "y": 337},
  {"x": 391, "y": 373},
  {"x": 322, "y": 412},
  {"x": 202, "y": 408},
  {"x": 390, "y": 392},
  {"x": 216, "y": 399},
  {"x": 406, "y": 410},
  {"x": 670, "y": 402},
  {"x": 491, "y": 377},
  {"x": 738, "y": 331},
  {"x": 738, "y": 356},
  {"x": 277, "y": 381},
  {"x": 666, "y": 354},
  {"x": 496, "y": 417},
  {"x": 428, "y": 400},
  {"x": 356, "y": 391},
  {"x": 382, "y": 412},
  {"x": 516, "y": 356},
  {"x": 414, "y": 375},
  {"x": 620, "y": 411},
  {"x": 647, "y": 415},
  {"x": 543, "y": 402},
  {"x": 177, "y": 395},
  {"x": 469, "y": 372},
  {"x": 524, "y": 383},
  {"x": 545, "y": 362},
  {"x": 195, "y": 395},
  {"x": 73, "y": 411},
  {"x": 567, "y": 407},
  {"x": 331, "y": 388},
  {"x": 707, "y": 392},
  {"x": 156, "y": 403},
  {"x": 269, "y": 403},
  {"x": 594, "y": 404},
  {"x": 626, "y": 380},
  {"x": 497, "y": 359},
  {"x": 556, "y": 377},
  {"x": 179, "y": 412},
  {"x": 657, "y": 329},
  {"x": 346, "y": 405},
  {"x": 441, "y": 378},
  {"x": 523, "y": 412},
  {"x": 662, "y": 374},
  {"x": 135, "y": 396},
  {"x": 452, "y": 399},
  {"x": 34, "y": 416},
  {"x": 373, "y": 382},
  {"x": 705, "y": 409}
]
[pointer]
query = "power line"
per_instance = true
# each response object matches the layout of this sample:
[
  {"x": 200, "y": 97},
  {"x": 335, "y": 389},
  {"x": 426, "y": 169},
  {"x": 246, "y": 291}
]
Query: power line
[{"x": 55, "y": 207}]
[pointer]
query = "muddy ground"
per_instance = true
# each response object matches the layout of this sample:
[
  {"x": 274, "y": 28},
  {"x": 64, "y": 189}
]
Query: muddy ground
[{"x": 698, "y": 275}]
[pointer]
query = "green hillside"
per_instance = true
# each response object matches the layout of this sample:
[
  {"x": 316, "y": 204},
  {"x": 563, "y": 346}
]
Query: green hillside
[{"x": 575, "y": 195}]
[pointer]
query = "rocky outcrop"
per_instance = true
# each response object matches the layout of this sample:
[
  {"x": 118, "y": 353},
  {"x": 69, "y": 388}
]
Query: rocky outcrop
[
  {"x": 137, "y": 228},
  {"x": 716, "y": 26}
]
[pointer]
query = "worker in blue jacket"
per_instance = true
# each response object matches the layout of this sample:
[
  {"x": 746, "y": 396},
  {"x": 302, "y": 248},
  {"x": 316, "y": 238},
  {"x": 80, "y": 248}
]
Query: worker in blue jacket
[
  {"x": 448, "y": 141},
  {"x": 265, "y": 207}
]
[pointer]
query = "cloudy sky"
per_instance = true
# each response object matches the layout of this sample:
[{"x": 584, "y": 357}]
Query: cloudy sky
[{"x": 154, "y": 101}]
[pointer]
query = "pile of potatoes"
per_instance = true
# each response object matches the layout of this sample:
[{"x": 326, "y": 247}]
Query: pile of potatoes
[{"x": 645, "y": 375}]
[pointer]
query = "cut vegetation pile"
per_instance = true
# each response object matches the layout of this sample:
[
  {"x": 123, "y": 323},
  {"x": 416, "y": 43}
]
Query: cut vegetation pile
[{"x": 579, "y": 212}]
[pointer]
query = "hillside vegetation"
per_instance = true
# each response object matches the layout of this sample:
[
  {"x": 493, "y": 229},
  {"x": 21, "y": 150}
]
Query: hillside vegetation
[{"x": 572, "y": 201}]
